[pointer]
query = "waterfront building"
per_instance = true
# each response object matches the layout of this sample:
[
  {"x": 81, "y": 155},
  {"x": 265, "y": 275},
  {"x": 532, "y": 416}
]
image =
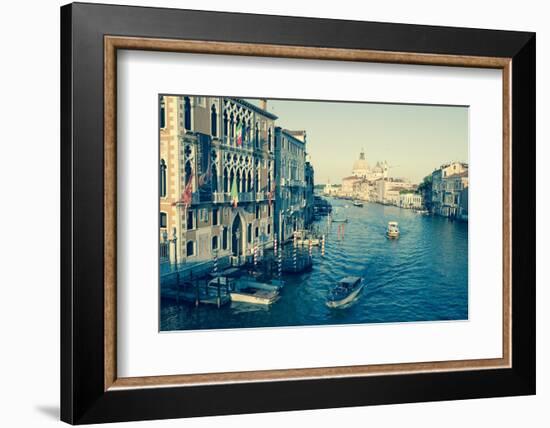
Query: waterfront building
[
  {"x": 411, "y": 200},
  {"x": 216, "y": 178},
  {"x": 388, "y": 190},
  {"x": 348, "y": 185},
  {"x": 329, "y": 189},
  {"x": 309, "y": 196},
  {"x": 449, "y": 190},
  {"x": 290, "y": 202}
]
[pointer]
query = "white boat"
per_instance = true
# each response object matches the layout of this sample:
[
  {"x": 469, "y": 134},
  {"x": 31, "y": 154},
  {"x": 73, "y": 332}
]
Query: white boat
[
  {"x": 345, "y": 291},
  {"x": 304, "y": 237},
  {"x": 357, "y": 203},
  {"x": 392, "y": 231},
  {"x": 248, "y": 290}
]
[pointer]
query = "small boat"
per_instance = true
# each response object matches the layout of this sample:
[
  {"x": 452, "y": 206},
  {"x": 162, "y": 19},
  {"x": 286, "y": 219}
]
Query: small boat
[
  {"x": 392, "y": 230},
  {"x": 304, "y": 237},
  {"x": 357, "y": 203},
  {"x": 339, "y": 220},
  {"x": 248, "y": 290},
  {"x": 345, "y": 291}
]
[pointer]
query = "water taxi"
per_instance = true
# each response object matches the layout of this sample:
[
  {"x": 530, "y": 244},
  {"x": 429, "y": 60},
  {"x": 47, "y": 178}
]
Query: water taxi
[
  {"x": 392, "y": 230},
  {"x": 345, "y": 291},
  {"x": 357, "y": 203}
]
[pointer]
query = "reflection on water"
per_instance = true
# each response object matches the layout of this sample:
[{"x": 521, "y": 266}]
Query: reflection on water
[{"x": 422, "y": 276}]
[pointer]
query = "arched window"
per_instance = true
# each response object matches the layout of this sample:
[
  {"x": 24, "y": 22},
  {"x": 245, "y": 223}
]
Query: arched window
[
  {"x": 224, "y": 238},
  {"x": 249, "y": 182},
  {"x": 257, "y": 136},
  {"x": 162, "y": 113},
  {"x": 214, "y": 121},
  {"x": 190, "y": 247},
  {"x": 231, "y": 178},
  {"x": 187, "y": 113},
  {"x": 225, "y": 180},
  {"x": 225, "y": 123},
  {"x": 238, "y": 181},
  {"x": 188, "y": 172},
  {"x": 162, "y": 179},
  {"x": 231, "y": 126},
  {"x": 269, "y": 139},
  {"x": 214, "y": 242}
]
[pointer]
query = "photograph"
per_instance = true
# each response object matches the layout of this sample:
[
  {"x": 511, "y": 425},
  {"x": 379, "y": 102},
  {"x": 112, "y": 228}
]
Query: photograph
[{"x": 287, "y": 213}]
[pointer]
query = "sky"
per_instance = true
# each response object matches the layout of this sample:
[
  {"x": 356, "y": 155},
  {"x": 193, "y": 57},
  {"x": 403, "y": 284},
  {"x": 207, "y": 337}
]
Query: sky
[{"x": 413, "y": 139}]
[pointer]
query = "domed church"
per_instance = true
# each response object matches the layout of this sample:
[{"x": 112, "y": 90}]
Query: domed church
[{"x": 361, "y": 166}]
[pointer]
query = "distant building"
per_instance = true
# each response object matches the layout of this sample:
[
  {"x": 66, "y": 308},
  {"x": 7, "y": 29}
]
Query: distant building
[
  {"x": 216, "y": 178},
  {"x": 449, "y": 190},
  {"x": 329, "y": 189},
  {"x": 411, "y": 200},
  {"x": 388, "y": 190},
  {"x": 309, "y": 196},
  {"x": 348, "y": 185},
  {"x": 290, "y": 195},
  {"x": 360, "y": 166}
]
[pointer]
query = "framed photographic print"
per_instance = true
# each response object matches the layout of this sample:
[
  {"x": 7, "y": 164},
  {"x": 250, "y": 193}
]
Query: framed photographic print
[{"x": 266, "y": 213}]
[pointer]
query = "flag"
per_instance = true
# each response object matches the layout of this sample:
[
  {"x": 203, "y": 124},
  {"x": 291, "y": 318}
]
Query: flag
[
  {"x": 240, "y": 132},
  {"x": 187, "y": 195},
  {"x": 270, "y": 195},
  {"x": 205, "y": 178},
  {"x": 234, "y": 193}
]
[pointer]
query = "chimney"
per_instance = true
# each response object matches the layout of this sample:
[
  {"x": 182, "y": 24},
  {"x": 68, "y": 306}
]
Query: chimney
[{"x": 263, "y": 103}]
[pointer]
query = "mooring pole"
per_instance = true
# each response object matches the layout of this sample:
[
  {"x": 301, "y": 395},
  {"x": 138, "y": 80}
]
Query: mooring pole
[{"x": 294, "y": 255}]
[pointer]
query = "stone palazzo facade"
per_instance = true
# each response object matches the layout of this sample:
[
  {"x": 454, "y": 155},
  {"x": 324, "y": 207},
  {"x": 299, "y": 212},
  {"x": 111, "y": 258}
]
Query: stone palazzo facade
[
  {"x": 450, "y": 190},
  {"x": 216, "y": 178},
  {"x": 224, "y": 167}
]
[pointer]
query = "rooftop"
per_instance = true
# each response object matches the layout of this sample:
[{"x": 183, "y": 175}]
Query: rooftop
[{"x": 255, "y": 108}]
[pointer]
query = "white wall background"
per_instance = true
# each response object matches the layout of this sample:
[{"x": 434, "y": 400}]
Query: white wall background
[{"x": 29, "y": 214}]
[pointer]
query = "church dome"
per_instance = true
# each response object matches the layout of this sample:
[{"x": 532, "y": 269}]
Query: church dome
[{"x": 360, "y": 166}]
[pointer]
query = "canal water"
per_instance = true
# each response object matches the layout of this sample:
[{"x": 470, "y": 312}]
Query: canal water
[{"x": 422, "y": 276}]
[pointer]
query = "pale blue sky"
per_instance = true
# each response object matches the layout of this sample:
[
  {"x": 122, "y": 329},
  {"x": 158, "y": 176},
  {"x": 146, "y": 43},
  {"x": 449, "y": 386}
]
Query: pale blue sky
[{"x": 414, "y": 139}]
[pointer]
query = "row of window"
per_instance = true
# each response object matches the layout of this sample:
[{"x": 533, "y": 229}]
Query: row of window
[
  {"x": 190, "y": 248},
  {"x": 230, "y": 123},
  {"x": 204, "y": 217}
]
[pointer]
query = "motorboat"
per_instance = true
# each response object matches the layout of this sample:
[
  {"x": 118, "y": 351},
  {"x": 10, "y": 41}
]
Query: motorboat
[
  {"x": 392, "y": 231},
  {"x": 248, "y": 290},
  {"x": 357, "y": 203},
  {"x": 339, "y": 220},
  {"x": 304, "y": 237},
  {"x": 345, "y": 291}
]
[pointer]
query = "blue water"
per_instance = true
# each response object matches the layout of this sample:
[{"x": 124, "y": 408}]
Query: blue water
[{"x": 422, "y": 276}]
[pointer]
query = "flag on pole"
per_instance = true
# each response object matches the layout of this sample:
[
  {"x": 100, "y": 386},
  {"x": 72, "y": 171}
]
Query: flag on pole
[
  {"x": 234, "y": 194},
  {"x": 205, "y": 178},
  {"x": 240, "y": 130},
  {"x": 270, "y": 195},
  {"x": 187, "y": 196}
]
